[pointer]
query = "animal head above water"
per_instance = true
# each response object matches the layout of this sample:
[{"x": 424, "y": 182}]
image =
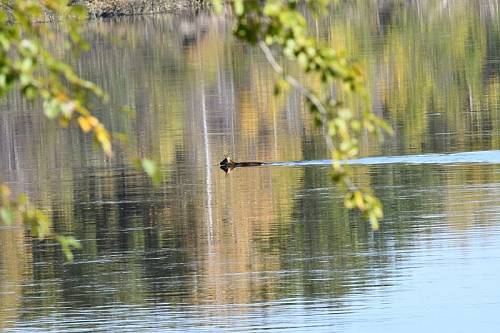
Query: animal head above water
[
  {"x": 227, "y": 164},
  {"x": 227, "y": 161}
]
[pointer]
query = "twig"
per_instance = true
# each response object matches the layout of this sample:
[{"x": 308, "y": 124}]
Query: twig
[
  {"x": 297, "y": 85},
  {"x": 311, "y": 97}
]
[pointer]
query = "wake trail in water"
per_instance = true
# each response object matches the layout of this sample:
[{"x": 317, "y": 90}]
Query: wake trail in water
[{"x": 484, "y": 157}]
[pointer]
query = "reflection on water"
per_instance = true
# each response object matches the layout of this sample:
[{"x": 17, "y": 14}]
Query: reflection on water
[{"x": 265, "y": 248}]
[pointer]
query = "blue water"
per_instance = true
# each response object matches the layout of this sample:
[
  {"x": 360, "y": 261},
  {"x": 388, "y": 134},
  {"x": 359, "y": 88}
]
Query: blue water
[{"x": 265, "y": 248}]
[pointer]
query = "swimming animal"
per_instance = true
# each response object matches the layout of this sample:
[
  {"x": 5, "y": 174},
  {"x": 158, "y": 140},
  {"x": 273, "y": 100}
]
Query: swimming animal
[
  {"x": 483, "y": 157},
  {"x": 227, "y": 164}
]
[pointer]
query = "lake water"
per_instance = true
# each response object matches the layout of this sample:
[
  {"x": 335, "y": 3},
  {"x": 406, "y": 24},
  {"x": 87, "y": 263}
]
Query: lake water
[{"x": 265, "y": 248}]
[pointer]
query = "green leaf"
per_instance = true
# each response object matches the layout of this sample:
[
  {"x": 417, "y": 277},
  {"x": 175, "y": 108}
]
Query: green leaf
[
  {"x": 29, "y": 91},
  {"x": 239, "y": 7},
  {"x": 303, "y": 60},
  {"x": 4, "y": 42},
  {"x": 3, "y": 81},
  {"x": 345, "y": 113},
  {"x": 6, "y": 215},
  {"x": 26, "y": 64},
  {"x": 79, "y": 11},
  {"x": 28, "y": 47},
  {"x": 22, "y": 199},
  {"x": 280, "y": 86},
  {"x": 68, "y": 244},
  {"x": 217, "y": 6},
  {"x": 272, "y": 9},
  {"x": 51, "y": 108},
  {"x": 34, "y": 10},
  {"x": 41, "y": 224},
  {"x": 152, "y": 170}
]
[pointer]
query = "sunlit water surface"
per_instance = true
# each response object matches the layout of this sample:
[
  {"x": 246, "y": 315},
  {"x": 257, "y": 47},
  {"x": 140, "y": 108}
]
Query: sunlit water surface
[{"x": 265, "y": 248}]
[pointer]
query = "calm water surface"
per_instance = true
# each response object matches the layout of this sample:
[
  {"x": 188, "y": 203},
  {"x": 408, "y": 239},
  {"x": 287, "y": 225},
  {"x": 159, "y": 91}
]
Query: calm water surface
[{"x": 268, "y": 248}]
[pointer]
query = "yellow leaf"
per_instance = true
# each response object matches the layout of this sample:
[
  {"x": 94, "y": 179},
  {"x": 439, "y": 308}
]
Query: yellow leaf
[
  {"x": 103, "y": 138},
  {"x": 61, "y": 96},
  {"x": 106, "y": 146},
  {"x": 5, "y": 191},
  {"x": 379, "y": 213},
  {"x": 358, "y": 198},
  {"x": 84, "y": 124},
  {"x": 374, "y": 223},
  {"x": 93, "y": 121}
]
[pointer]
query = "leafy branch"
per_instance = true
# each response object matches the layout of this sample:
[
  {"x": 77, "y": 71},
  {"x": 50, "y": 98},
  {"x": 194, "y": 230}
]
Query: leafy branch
[
  {"x": 39, "y": 224},
  {"x": 27, "y": 62},
  {"x": 279, "y": 24}
]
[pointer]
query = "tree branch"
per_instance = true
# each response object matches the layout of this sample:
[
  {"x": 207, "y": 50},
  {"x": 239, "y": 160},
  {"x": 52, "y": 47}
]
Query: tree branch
[
  {"x": 297, "y": 85},
  {"x": 311, "y": 97}
]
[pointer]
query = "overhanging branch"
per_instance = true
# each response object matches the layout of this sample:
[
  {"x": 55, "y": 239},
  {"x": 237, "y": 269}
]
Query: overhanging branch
[{"x": 297, "y": 85}]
